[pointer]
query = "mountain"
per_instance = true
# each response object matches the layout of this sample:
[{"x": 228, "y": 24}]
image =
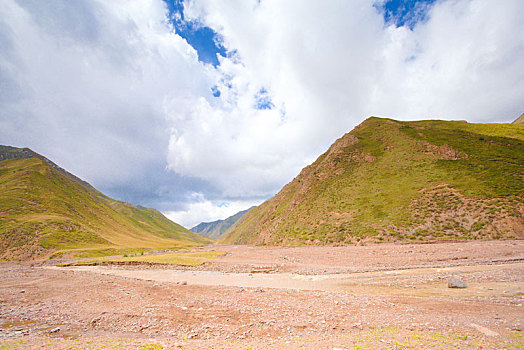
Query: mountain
[
  {"x": 519, "y": 120},
  {"x": 215, "y": 229},
  {"x": 389, "y": 180},
  {"x": 44, "y": 211}
]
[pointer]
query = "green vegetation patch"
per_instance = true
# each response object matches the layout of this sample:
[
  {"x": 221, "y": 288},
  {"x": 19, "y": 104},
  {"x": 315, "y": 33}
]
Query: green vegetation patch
[
  {"x": 388, "y": 180},
  {"x": 65, "y": 239},
  {"x": 44, "y": 208},
  {"x": 98, "y": 252},
  {"x": 183, "y": 259}
]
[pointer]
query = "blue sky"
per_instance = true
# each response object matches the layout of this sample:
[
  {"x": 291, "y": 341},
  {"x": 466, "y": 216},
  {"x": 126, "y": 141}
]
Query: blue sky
[
  {"x": 207, "y": 42},
  {"x": 130, "y": 95},
  {"x": 208, "y": 45},
  {"x": 405, "y": 12}
]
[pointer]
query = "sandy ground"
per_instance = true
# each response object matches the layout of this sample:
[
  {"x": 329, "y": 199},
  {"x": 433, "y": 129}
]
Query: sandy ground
[{"x": 383, "y": 296}]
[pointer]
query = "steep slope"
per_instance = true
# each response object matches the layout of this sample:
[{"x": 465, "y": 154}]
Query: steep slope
[
  {"x": 388, "y": 180},
  {"x": 215, "y": 229},
  {"x": 519, "y": 120},
  {"x": 44, "y": 209}
]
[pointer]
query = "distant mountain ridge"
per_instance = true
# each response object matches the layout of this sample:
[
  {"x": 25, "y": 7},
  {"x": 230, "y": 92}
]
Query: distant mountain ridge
[
  {"x": 389, "y": 180},
  {"x": 216, "y": 229},
  {"x": 519, "y": 120},
  {"x": 47, "y": 211}
]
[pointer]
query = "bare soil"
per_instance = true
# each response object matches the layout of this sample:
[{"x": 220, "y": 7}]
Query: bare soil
[{"x": 383, "y": 296}]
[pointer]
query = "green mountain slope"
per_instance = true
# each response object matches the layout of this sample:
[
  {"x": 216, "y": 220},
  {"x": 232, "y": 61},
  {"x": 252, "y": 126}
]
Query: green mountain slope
[
  {"x": 44, "y": 210},
  {"x": 215, "y": 229},
  {"x": 519, "y": 120},
  {"x": 388, "y": 181}
]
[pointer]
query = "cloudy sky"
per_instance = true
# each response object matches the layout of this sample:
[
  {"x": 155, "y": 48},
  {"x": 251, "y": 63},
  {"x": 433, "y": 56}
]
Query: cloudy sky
[{"x": 204, "y": 108}]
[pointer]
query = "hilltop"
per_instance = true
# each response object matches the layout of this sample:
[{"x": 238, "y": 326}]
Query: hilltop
[
  {"x": 215, "y": 229},
  {"x": 388, "y": 180},
  {"x": 47, "y": 211}
]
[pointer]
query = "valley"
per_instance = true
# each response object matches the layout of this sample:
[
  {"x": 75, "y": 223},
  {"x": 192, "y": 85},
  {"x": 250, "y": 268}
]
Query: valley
[
  {"x": 402, "y": 235},
  {"x": 378, "y": 296}
]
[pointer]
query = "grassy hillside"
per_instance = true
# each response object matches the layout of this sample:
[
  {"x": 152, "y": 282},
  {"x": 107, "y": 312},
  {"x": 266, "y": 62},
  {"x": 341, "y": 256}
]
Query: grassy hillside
[
  {"x": 519, "y": 120},
  {"x": 46, "y": 210},
  {"x": 388, "y": 181},
  {"x": 217, "y": 228}
]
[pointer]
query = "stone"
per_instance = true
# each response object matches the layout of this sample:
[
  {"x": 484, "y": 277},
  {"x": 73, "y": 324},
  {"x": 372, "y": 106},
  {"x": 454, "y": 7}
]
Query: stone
[
  {"x": 95, "y": 321},
  {"x": 456, "y": 283},
  {"x": 55, "y": 330}
]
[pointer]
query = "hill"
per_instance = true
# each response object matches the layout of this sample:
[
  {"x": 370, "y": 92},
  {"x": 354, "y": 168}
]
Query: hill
[
  {"x": 215, "y": 229},
  {"x": 46, "y": 210},
  {"x": 519, "y": 120},
  {"x": 388, "y": 180}
]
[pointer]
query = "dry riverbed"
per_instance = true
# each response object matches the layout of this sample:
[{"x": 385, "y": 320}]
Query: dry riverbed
[{"x": 378, "y": 296}]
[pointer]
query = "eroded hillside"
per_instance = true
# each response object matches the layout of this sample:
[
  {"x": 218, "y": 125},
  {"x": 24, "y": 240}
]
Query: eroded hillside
[{"x": 388, "y": 180}]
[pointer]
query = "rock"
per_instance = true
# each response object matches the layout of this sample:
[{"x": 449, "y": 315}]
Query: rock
[
  {"x": 55, "y": 330},
  {"x": 184, "y": 283},
  {"x": 95, "y": 321},
  {"x": 456, "y": 283},
  {"x": 262, "y": 269}
]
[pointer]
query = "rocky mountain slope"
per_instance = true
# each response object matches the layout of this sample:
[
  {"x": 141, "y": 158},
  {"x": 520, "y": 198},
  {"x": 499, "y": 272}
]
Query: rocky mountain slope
[
  {"x": 45, "y": 210},
  {"x": 215, "y": 229},
  {"x": 388, "y": 180}
]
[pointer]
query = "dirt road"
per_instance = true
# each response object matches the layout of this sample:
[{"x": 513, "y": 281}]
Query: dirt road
[
  {"x": 379, "y": 296},
  {"x": 425, "y": 281}
]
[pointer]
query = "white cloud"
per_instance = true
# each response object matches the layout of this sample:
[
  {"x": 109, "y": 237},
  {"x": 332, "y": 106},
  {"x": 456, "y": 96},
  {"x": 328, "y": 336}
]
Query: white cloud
[
  {"x": 464, "y": 63},
  {"x": 106, "y": 89},
  {"x": 84, "y": 83},
  {"x": 201, "y": 209},
  {"x": 328, "y": 65}
]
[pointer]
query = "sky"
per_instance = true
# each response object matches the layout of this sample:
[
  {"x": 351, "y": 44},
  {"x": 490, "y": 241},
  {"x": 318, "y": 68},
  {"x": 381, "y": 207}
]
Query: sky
[{"x": 204, "y": 108}]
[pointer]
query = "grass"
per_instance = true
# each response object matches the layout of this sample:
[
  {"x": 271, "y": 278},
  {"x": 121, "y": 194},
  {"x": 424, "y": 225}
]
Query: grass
[
  {"x": 45, "y": 210},
  {"x": 420, "y": 178},
  {"x": 384, "y": 337},
  {"x": 98, "y": 252},
  {"x": 178, "y": 258}
]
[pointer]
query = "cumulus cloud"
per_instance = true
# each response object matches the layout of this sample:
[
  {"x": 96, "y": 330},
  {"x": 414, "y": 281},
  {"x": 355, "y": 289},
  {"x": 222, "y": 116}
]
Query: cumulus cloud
[
  {"x": 109, "y": 90},
  {"x": 327, "y": 65},
  {"x": 463, "y": 63},
  {"x": 84, "y": 83}
]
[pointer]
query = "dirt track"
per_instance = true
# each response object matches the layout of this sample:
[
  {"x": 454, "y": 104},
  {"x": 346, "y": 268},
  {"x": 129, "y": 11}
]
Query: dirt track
[{"x": 378, "y": 296}]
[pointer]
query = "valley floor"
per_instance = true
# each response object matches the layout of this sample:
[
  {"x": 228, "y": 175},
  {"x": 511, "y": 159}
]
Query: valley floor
[{"x": 383, "y": 296}]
